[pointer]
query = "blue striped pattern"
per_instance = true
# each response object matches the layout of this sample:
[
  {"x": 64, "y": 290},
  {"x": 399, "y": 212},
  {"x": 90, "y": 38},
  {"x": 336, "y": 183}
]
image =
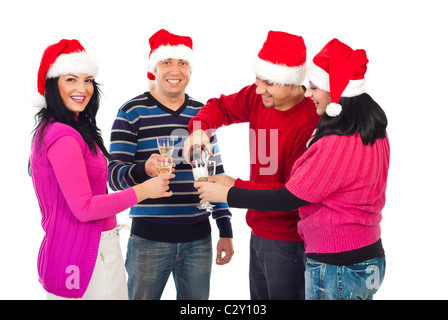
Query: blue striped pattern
[{"x": 134, "y": 138}]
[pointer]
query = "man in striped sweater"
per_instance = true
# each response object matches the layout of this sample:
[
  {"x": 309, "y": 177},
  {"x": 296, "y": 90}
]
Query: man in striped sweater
[{"x": 169, "y": 235}]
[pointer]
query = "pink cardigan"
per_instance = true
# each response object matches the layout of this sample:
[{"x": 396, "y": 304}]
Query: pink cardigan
[
  {"x": 71, "y": 187},
  {"x": 345, "y": 183}
]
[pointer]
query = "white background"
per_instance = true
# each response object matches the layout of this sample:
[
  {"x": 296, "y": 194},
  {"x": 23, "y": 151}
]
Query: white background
[{"x": 406, "y": 44}]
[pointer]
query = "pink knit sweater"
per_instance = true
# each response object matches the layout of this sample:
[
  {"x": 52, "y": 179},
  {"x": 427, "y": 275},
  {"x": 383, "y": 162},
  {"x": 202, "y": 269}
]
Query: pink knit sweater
[
  {"x": 345, "y": 183},
  {"x": 71, "y": 187}
]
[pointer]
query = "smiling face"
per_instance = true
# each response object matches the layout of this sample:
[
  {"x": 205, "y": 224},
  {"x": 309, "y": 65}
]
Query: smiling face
[
  {"x": 76, "y": 90},
  {"x": 321, "y": 98},
  {"x": 173, "y": 76},
  {"x": 276, "y": 96}
]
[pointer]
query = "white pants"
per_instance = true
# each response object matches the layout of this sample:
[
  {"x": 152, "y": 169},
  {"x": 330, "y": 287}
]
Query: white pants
[{"x": 108, "y": 280}]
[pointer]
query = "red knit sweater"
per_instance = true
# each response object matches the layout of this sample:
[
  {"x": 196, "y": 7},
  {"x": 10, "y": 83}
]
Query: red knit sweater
[{"x": 277, "y": 140}]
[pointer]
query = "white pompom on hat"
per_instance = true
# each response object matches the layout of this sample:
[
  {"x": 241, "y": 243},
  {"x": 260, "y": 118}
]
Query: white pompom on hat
[
  {"x": 340, "y": 70},
  {"x": 64, "y": 57}
]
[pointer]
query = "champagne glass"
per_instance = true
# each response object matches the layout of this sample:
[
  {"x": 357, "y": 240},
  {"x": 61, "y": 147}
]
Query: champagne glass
[
  {"x": 200, "y": 174},
  {"x": 166, "y": 146},
  {"x": 164, "y": 165}
]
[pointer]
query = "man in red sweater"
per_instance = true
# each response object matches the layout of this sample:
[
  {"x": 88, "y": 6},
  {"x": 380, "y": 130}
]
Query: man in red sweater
[{"x": 281, "y": 121}]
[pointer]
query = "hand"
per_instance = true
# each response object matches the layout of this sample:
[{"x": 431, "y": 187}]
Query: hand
[
  {"x": 150, "y": 165},
  {"x": 225, "y": 246},
  {"x": 197, "y": 137},
  {"x": 222, "y": 179},
  {"x": 212, "y": 192},
  {"x": 154, "y": 188}
]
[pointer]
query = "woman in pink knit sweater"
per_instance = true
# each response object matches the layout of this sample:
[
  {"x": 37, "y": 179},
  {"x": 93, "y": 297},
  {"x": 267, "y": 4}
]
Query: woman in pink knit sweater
[
  {"x": 339, "y": 183},
  {"x": 80, "y": 254}
]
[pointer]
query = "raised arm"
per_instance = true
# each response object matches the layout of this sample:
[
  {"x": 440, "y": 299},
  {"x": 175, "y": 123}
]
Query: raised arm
[
  {"x": 66, "y": 158},
  {"x": 225, "y": 110},
  {"x": 218, "y": 112},
  {"x": 263, "y": 200}
]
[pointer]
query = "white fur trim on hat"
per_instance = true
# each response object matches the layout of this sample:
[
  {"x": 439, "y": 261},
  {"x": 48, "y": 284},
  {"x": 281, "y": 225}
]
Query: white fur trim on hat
[
  {"x": 76, "y": 62},
  {"x": 180, "y": 52},
  {"x": 321, "y": 79},
  {"x": 354, "y": 88},
  {"x": 279, "y": 74},
  {"x": 318, "y": 77}
]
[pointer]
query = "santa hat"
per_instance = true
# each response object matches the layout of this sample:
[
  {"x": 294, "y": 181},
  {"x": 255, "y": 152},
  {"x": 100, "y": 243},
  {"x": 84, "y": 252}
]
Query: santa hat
[
  {"x": 165, "y": 45},
  {"x": 282, "y": 59},
  {"x": 66, "y": 56},
  {"x": 340, "y": 70}
]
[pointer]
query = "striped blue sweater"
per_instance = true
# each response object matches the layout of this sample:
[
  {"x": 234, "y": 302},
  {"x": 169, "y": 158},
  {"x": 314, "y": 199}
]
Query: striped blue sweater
[{"x": 134, "y": 138}]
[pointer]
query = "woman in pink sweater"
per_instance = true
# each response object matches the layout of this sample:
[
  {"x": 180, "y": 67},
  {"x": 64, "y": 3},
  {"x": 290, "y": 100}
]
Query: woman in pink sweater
[
  {"x": 80, "y": 254},
  {"x": 339, "y": 183}
]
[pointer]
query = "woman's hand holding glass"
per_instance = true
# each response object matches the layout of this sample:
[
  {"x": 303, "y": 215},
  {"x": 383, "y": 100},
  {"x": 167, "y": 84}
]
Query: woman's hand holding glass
[
  {"x": 201, "y": 171},
  {"x": 212, "y": 191},
  {"x": 154, "y": 188}
]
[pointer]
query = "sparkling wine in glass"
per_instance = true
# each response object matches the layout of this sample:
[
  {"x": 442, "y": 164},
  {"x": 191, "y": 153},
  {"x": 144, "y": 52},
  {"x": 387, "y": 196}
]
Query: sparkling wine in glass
[
  {"x": 166, "y": 146},
  {"x": 200, "y": 173},
  {"x": 164, "y": 165}
]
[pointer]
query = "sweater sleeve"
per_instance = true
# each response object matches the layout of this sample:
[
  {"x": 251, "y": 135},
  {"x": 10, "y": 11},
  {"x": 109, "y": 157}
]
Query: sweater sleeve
[
  {"x": 324, "y": 168},
  {"x": 225, "y": 110},
  {"x": 65, "y": 156},
  {"x": 264, "y": 200},
  {"x": 124, "y": 172},
  {"x": 225, "y": 227}
]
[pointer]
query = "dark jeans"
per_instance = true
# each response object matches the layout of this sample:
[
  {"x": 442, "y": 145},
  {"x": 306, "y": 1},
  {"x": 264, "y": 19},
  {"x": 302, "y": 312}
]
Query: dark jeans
[{"x": 277, "y": 269}]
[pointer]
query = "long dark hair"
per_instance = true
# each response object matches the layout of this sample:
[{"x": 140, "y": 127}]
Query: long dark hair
[
  {"x": 360, "y": 114},
  {"x": 56, "y": 111}
]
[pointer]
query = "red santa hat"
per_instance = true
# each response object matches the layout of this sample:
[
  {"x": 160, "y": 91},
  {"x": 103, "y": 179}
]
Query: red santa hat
[
  {"x": 282, "y": 59},
  {"x": 66, "y": 56},
  {"x": 165, "y": 45},
  {"x": 340, "y": 70}
]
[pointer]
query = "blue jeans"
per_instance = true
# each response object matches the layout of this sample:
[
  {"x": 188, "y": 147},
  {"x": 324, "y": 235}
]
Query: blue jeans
[
  {"x": 358, "y": 281},
  {"x": 276, "y": 270},
  {"x": 150, "y": 263}
]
